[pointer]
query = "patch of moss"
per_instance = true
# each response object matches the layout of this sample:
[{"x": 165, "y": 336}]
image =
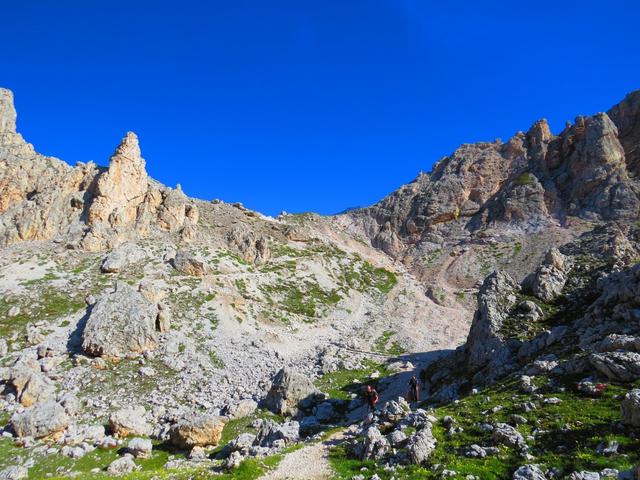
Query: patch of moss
[
  {"x": 308, "y": 299},
  {"x": 525, "y": 178}
]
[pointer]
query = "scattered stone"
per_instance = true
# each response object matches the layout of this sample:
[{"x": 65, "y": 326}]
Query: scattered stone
[
  {"x": 242, "y": 409},
  {"x": 584, "y": 475},
  {"x": 140, "y": 447},
  {"x": 608, "y": 449},
  {"x": 630, "y": 407},
  {"x": 122, "y": 466},
  {"x": 526, "y": 384},
  {"x": 129, "y": 421},
  {"x": 17, "y": 472},
  {"x": 529, "y": 472},
  {"x": 475, "y": 451},
  {"x": 270, "y": 432},
  {"x": 507, "y": 435},
  {"x": 198, "y": 454}
]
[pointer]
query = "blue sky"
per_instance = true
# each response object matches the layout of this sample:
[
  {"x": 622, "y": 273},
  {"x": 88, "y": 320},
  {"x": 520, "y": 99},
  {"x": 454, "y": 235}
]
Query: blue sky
[{"x": 306, "y": 105}]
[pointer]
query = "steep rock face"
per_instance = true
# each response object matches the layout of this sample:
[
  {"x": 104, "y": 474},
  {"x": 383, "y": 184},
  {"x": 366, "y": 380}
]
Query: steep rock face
[
  {"x": 626, "y": 116},
  {"x": 39, "y": 196},
  {"x": 533, "y": 181},
  {"x": 592, "y": 177}
]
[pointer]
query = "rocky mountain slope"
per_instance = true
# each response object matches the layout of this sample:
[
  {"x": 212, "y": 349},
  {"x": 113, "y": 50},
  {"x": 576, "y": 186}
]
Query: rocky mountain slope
[
  {"x": 141, "y": 328},
  {"x": 121, "y": 292}
]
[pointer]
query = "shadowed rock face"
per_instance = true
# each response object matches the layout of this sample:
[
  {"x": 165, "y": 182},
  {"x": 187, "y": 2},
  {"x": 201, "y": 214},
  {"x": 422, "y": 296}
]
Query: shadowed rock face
[
  {"x": 626, "y": 116},
  {"x": 534, "y": 180}
]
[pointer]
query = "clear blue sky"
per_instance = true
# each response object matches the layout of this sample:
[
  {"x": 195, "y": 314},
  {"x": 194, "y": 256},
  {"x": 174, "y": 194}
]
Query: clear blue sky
[{"x": 306, "y": 105}]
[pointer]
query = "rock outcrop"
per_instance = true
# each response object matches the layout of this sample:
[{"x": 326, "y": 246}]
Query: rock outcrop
[
  {"x": 486, "y": 344},
  {"x": 548, "y": 281},
  {"x": 123, "y": 257},
  {"x": 528, "y": 183},
  {"x": 95, "y": 208}
]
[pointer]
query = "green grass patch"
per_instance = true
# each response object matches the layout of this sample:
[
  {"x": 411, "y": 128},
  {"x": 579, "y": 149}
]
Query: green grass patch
[
  {"x": 381, "y": 345},
  {"x": 571, "y": 432}
]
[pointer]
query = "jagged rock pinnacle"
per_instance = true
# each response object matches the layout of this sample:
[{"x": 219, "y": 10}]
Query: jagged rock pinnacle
[
  {"x": 128, "y": 150},
  {"x": 7, "y": 112},
  {"x": 121, "y": 189}
]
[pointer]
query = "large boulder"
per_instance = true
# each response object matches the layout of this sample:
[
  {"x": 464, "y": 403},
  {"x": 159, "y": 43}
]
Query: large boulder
[
  {"x": 122, "y": 257},
  {"x": 630, "y": 407},
  {"x": 129, "y": 421},
  {"x": 507, "y": 435},
  {"x": 617, "y": 366},
  {"x": 122, "y": 466},
  {"x": 197, "y": 430},
  {"x": 420, "y": 445},
  {"x": 289, "y": 392},
  {"x": 549, "y": 280},
  {"x": 189, "y": 265},
  {"x": 121, "y": 324},
  {"x": 46, "y": 419}
]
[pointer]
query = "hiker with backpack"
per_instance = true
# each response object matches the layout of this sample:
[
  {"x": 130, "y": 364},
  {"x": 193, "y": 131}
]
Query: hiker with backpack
[
  {"x": 372, "y": 397},
  {"x": 413, "y": 395}
]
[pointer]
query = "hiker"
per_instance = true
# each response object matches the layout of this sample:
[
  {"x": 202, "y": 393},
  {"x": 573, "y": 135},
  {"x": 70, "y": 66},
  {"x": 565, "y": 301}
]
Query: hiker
[
  {"x": 372, "y": 398},
  {"x": 414, "y": 391}
]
